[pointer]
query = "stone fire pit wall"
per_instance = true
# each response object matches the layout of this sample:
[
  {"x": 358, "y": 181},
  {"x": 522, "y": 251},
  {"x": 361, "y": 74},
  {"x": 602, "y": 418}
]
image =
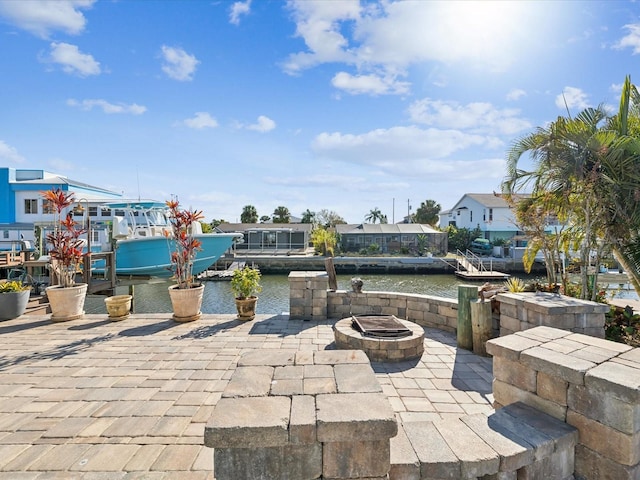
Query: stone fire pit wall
[
  {"x": 309, "y": 299},
  {"x": 589, "y": 383}
]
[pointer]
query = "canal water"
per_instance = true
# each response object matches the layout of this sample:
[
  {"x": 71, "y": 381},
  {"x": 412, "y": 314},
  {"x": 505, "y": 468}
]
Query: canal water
[{"x": 152, "y": 296}]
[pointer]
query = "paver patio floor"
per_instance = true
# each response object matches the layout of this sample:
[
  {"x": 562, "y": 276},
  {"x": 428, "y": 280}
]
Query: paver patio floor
[{"x": 93, "y": 399}]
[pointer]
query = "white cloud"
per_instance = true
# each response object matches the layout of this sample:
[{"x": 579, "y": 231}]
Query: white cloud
[
  {"x": 42, "y": 17},
  {"x": 393, "y": 36},
  {"x": 516, "y": 94},
  {"x": 369, "y": 84},
  {"x": 72, "y": 60},
  {"x": 201, "y": 120},
  {"x": 178, "y": 64},
  {"x": 109, "y": 108},
  {"x": 631, "y": 40},
  {"x": 264, "y": 124},
  {"x": 318, "y": 23},
  {"x": 477, "y": 117},
  {"x": 9, "y": 153},
  {"x": 572, "y": 97},
  {"x": 237, "y": 10},
  {"x": 393, "y": 147}
]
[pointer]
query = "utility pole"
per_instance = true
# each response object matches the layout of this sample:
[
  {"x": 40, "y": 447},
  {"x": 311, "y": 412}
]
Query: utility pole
[{"x": 393, "y": 210}]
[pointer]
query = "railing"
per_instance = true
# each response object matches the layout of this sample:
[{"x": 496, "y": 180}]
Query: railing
[{"x": 472, "y": 260}]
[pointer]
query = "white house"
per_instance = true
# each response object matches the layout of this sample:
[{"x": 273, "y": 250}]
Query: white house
[{"x": 487, "y": 211}]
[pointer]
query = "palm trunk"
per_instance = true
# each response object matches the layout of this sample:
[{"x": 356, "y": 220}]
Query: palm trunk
[{"x": 629, "y": 268}]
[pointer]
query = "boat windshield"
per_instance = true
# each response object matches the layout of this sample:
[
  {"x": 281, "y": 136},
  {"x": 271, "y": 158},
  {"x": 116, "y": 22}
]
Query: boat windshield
[{"x": 157, "y": 217}]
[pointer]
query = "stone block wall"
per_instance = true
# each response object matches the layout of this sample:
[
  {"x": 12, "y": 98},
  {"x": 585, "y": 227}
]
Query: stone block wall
[
  {"x": 589, "y": 383},
  {"x": 521, "y": 311}
]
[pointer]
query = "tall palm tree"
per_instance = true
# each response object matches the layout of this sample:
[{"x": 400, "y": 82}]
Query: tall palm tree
[{"x": 374, "y": 216}]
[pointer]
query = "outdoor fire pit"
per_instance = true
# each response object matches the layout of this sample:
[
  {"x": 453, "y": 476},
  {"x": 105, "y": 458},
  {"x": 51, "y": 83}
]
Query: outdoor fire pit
[{"x": 383, "y": 338}]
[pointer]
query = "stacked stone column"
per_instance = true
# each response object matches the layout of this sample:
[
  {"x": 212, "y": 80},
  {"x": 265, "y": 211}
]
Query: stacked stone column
[
  {"x": 308, "y": 295},
  {"x": 590, "y": 383}
]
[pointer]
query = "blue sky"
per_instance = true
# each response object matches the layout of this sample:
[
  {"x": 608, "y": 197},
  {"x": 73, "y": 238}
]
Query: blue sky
[{"x": 338, "y": 105}]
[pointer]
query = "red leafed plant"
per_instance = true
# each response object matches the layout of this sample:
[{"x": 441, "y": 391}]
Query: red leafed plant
[
  {"x": 66, "y": 246},
  {"x": 186, "y": 245}
]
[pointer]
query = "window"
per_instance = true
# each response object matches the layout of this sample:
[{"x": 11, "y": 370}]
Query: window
[
  {"x": 47, "y": 207},
  {"x": 471, "y": 215},
  {"x": 31, "y": 205},
  {"x": 491, "y": 214},
  {"x": 95, "y": 236},
  {"x": 5, "y": 234},
  {"x": 105, "y": 212},
  {"x": 93, "y": 211}
]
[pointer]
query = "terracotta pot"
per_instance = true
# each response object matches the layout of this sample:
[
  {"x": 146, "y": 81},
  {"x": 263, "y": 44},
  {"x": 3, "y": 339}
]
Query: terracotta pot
[
  {"x": 13, "y": 304},
  {"x": 67, "y": 303},
  {"x": 118, "y": 306},
  {"x": 186, "y": 302},
  {"x": 246, "y": 308}
]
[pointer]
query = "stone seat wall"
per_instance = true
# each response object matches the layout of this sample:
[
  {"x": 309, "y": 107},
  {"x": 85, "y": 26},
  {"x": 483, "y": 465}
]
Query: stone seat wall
[
  {"x": 303, "y": 416},
  {"x": 589, "y": 383},
  {"x": 515, "y": 442}
]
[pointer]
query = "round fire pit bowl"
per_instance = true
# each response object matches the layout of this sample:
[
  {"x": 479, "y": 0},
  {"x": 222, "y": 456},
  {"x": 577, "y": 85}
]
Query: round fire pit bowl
[{"x": 380, "y": 349}]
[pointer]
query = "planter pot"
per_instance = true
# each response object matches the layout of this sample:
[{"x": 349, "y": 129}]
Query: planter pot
[
  {"x": 66, "y": 303},
  {"x": 246, "y": 308},
  {"x": 118, "y": 306},
  {"x": 186, "y": 302},
  {"x": 13, "y": 304}
]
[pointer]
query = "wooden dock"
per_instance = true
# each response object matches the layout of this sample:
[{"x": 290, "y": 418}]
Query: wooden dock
[
  {"x": 219, "y": 275},
  {"x": 470, "y": 272}
]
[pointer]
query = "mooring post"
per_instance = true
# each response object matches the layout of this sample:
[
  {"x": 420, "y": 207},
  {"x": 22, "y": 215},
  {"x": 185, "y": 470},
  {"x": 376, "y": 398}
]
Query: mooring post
[
  {"x": 466, "y": 295},
  {"x": 481, "y": 325}
]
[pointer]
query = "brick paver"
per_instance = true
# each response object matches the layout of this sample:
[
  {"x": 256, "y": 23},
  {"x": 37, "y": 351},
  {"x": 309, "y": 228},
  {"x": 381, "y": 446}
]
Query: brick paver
[{"x": 92, "y": 398}]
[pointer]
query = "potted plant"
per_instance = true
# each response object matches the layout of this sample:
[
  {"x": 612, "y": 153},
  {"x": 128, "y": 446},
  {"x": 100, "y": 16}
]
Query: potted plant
[
  {"x": 245, "y": 284},
  {"x": 14, "y": 297},
  {"x": 186, "y": 294},
  {"x": 118, "y": 307},
  {"x": 66, "y": 298}
]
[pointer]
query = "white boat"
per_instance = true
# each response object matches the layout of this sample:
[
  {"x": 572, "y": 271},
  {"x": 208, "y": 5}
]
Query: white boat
[{"x": 143, "y": 249}]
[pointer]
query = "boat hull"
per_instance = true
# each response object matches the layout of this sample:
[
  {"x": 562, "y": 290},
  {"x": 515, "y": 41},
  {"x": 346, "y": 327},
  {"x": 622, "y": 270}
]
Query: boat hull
[{"x": 150, "y": 256}]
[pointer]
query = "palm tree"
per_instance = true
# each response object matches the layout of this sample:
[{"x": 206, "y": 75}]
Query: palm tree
[
  {"x": 281, "y": 215},
  {"x": 590, "y": 165},
  {"x": 308, "y": 216},
  {"x": 249, "y": 214},
  {"x": 374, "y": 216},
  {"x": 427, "y": 213}
]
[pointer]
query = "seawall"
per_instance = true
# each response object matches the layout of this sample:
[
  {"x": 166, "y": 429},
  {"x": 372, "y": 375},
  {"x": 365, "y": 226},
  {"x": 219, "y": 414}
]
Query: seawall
[{"x": 365, "y": 265}]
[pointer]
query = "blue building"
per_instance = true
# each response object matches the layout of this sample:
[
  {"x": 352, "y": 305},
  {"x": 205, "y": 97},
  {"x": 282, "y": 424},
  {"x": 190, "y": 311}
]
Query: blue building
[{"x": 22, "y": 208}]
